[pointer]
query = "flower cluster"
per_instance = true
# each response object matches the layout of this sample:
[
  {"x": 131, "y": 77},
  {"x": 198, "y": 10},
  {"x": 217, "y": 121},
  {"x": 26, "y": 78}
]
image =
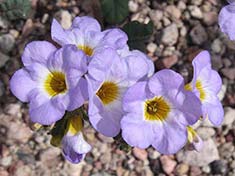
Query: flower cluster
[{"x": 124, "y": 95}]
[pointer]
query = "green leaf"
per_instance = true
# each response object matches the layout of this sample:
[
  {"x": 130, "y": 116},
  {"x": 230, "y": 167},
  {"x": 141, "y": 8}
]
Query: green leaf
[
  {"x": 84, "y": 115},
  {"x": 15, "y": 9},
  {"x": 60, "y": 127},
  {"x": 114, "y": 11},
  {"x": 58, "y": 131},
  {"x": 138, "y": 34}
]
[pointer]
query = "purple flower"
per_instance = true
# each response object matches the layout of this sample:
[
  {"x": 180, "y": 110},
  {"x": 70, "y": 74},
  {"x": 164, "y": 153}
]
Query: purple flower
[
  {"x": 158, "y": 111},
  {"x": 194, "y": 139},
  {"x": 86, "y": 34},
  {"x": 108, "y": 78},
  {"x": 206, "y": 84},
  {"x": 227, "y": 19},
  {"x": 74, "y": 146},
  {"x": 51, "y": 81}
]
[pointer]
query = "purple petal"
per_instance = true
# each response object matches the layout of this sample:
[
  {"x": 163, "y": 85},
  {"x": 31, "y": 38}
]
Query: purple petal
[
  {"x": 136, "y": 132},
  {"x": 78, "y": 95},
  {"x": 75, "y": 61},
  {"x": 58, "y": 34},
  {"x": 139, "y": 66},
  {"x": 84, "y": 33},
  {"x": 191, "y": 108},
  {"x": 119, "y": 72},
  {"x": 165, "y": 80},
  {"x": 94, "y": 40},
  {"x": 134, "y": 97},
  {"x": 105, "y": 120},
  {"x": 72, "y": 156},
  {"x": 214, "y": 110},
  {"x": 210, "y": 80},
  {"x": 21, "y": 84},
  {"x": 55, "y": 61},
  {"x": 216, "y": 82},
  {"x": 185, "y": 104},
  {"x": 38, "y": 73},
  {"x": 124, "y": 51},
  {"x": 42, "y": 110},
  {"x": 150, "y": 66},
  {"x": 75, "y": 147},
  {"x": 86, "y": 24},
  {"x": 201, "y": 62},
  {"x": 115, "y": 38},
  {"x": 226, "y": 20},
  {"x": 101, "y": 63},
  {"x": 173, "y": 139},
  {"x": 37, "y": 51},
  {"x": 231, "y": 1}
]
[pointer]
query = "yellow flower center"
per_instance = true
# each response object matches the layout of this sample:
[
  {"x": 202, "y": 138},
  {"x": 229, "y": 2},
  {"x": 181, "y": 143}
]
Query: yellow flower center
[
  {"x": 108, "y": 92},
  {"x": 191, "y": 134},
  {"x": 188, "y": 87},
  {"x": 55, "y": 83},
  {"x": 74, "y": 125},
  {"x": 87, "y": 50},
  {"x": 156, "y": 109},
  {"x": 201, "y": 90},
  {"x": 199, "y": 87}
]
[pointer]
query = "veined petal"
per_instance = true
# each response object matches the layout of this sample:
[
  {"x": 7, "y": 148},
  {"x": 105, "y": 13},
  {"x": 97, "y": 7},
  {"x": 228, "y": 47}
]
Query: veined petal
[
  {"x": 124, "y": 51},
  {"x": 201, "y": 62},
  {"x": 78, "y": 95},
  {"x": 37, "y": 51},
  {"x": 75, "y": 147},
  {"x": 119, "y": 73},
  {"x": 58, "y": 34},
  {"x": 139, "y": 66},
  {"x": 38, "y": 73},
  {"x": 164, "y": 80},
  {"x": 134, "y": 97},
  {"x": 173, "y": 139},
  {"x": 150, "y": 66},
  {"x": 210, "y": 81},
  {"x": 102, "y": 60},
  {"x": 93, "y": 40},
  {"x": 105, "y": 120},
  {"x": 21, "y": 84},
  {"x": 191, "y": 108},
  {"x": 86, "y": 24},
  {"x": 213, "y": 109},
  {"x": 115, "y": 38},
  {"x": 42, "y": 110},
  {"x": 185, "y": 105},
  {"x": 134, "y": 131},
  {"x": 75, "y": 61},
  {"x": 55, "y": 61}
]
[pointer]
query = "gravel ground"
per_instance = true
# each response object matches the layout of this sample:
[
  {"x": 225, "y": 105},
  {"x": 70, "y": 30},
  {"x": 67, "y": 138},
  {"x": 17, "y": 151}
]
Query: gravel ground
[{"x": 182, "y": 28}]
